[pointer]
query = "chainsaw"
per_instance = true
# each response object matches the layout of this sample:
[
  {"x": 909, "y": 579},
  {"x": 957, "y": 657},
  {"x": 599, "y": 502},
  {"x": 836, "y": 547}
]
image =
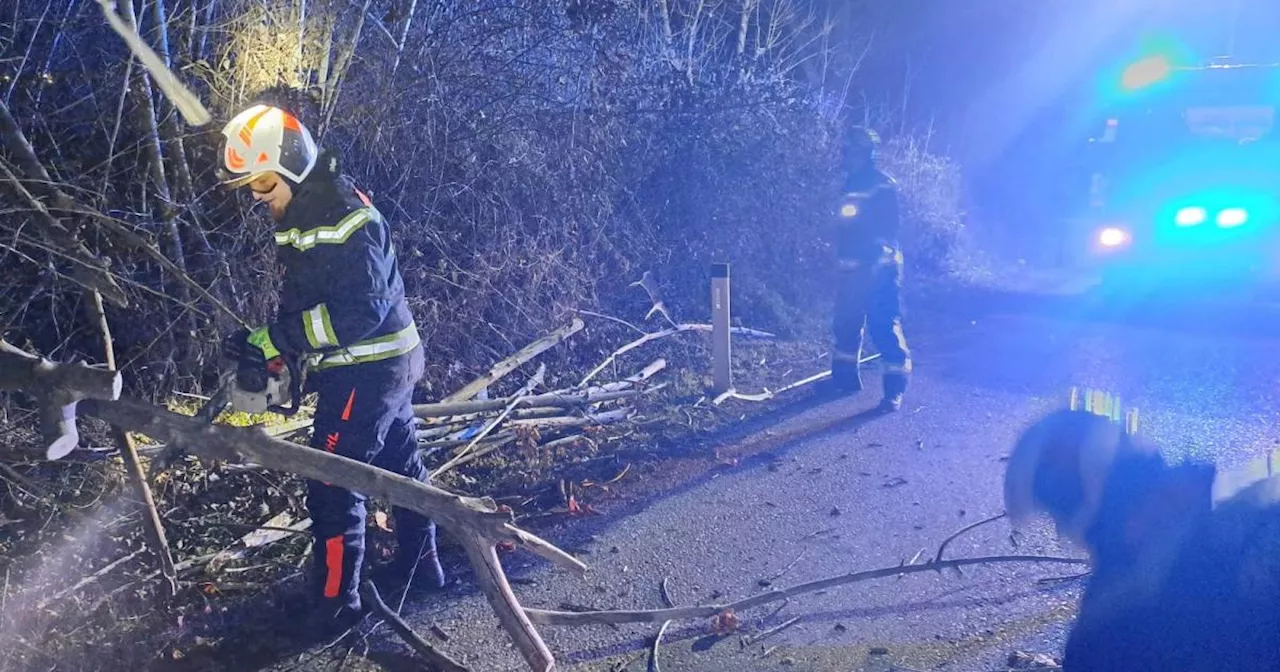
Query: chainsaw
[
  {"x": 248, "y": 388},
  {"x": 277, "y": 388}
]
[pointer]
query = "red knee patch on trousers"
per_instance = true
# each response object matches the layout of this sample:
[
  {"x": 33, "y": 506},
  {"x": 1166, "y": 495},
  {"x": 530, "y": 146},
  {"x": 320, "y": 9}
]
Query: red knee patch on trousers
[{"x": 333, "y": 550}]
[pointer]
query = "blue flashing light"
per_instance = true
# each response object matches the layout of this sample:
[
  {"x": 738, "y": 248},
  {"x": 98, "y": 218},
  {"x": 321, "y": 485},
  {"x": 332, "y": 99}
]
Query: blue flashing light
[
  {"x": 1232, "y": 217},
  {"x": 1145, "y": 72},
  {"x": 1190, "y": 216}
]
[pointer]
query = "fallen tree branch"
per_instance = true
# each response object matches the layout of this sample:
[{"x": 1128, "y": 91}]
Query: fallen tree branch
[
  {"x": 133, "y": 465},
  {"x": 57, "y": 388},
  {"x": 494, "y": 584},
  {"x": 530, "y": 385},
  {"x": 653, "y": 336},
  {"x": 657, "y": 644},
  {"x": 506, "y": 366},
  {"x": 605, "y": 418},
  {"x": 943, "y": 546},
  {"x": 92, "y": 578},
  {"x": 278, "y": 527},
  {"x": 181, "y": 97},
  {"x": 461, "y": 422},
  {"x": 483, "y": 450},
  {"x": 549, "y": 400},
  {"x": 501, "y": 437},
  {"x": 752, "y": 639},
  {"x": 770, "y": 394},
  {"x": 549, "y": 617},
  {"x": 478, "y": 523}
]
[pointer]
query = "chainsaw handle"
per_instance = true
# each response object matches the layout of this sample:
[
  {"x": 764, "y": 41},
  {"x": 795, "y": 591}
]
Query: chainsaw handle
[{"x": 295, "y": 388}]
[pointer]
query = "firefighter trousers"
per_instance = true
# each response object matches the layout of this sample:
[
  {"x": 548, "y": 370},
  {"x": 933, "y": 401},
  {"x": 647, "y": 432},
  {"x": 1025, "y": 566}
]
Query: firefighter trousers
[
  {"x": 364, "y": 412},
  {"x": 869, "y": 299}
]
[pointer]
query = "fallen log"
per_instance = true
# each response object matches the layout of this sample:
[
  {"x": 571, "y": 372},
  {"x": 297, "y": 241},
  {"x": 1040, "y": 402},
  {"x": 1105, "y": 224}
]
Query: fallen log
[{"x": 477, "y": 523}]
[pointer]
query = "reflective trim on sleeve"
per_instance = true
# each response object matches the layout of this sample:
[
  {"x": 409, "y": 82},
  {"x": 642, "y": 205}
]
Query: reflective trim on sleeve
[
  {"x": 319, "y": 327},
  {"x": 329, "y": 235}
]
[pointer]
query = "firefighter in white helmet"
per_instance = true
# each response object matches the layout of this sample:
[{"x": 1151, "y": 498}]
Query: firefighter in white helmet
[
  {"x": 1177, "y": 582},
  {"x": 343, "y": 311}
]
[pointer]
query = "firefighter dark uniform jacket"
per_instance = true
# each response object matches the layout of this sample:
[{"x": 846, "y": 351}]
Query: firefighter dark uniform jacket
[
  {"x": 869, "y": 220},
  {"x": 342, "y": 302},
  {"x": 1203, "y": 593}
]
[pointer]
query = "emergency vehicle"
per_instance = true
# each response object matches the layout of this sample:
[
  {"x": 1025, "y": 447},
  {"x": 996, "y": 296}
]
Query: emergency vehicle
[{"x": 1183, "y": 175}]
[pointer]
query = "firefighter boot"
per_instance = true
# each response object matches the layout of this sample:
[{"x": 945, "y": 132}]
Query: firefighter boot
[
  {"x": 416, "y": 563},
  {"x": 895, "y": 385},
  {"x": 314, "y": 621},
  {"x": 846, "y": 379}
]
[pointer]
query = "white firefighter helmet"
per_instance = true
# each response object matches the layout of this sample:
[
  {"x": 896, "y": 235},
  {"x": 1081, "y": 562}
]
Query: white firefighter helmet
[
  {"x": 1060, "y": 465},
  {"x": 264, "y": 139}
]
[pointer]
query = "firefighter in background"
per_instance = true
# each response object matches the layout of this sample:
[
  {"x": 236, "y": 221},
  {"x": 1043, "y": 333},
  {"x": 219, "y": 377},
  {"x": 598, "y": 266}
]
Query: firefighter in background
[
  {"x": 1185, "y": 560},
  {"x": 343, "y": 312},
  {"x": 870, "y": 275}
]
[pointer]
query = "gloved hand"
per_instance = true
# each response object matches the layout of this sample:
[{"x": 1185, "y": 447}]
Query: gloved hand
[
  {"x": 252, "y": 351},
  {"x": 250, "y": 347}
]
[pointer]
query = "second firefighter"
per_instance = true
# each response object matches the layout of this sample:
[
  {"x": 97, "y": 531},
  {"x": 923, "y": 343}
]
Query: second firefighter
[{"x": 869, "y": 268}]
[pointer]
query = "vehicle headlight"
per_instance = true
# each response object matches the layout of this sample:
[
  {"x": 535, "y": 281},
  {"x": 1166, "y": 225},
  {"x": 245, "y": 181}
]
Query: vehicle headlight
[
  {"x": 1232, "y": 217},
  {"x": 849, "y": 210},
  {"x": 1190, "y": 216},
  {"x": 1113, "y": 237}
]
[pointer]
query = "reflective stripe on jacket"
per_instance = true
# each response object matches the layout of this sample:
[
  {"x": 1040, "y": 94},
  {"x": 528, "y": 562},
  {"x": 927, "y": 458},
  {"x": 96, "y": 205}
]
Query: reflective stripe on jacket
[{"x": 342, "y": 301}]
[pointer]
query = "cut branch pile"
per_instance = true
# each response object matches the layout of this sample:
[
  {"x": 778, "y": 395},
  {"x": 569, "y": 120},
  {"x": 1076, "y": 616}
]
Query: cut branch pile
[{"x": 472, "y": 429}]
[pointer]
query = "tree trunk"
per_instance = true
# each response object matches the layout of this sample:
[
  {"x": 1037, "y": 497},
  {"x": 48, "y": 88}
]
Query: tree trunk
[
  {"x": 177, "y": 159},
  {"x": 154, "y": 154}
]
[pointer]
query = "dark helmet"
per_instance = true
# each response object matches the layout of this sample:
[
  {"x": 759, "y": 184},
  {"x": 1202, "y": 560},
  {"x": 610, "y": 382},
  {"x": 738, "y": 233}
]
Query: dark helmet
[{"x": 860, "y": 144}]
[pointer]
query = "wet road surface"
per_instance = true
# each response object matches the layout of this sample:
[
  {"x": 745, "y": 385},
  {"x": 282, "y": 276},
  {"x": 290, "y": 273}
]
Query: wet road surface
[{"x": 841, "y": 492}]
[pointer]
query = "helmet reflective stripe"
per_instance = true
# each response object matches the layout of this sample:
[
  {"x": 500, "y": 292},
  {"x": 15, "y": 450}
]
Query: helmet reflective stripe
[{"x": 265, "y": 139}]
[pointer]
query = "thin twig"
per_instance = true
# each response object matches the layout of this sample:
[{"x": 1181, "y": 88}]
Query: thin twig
[
  {"x": 432, "y": 655},
  {"x": 549, "y": 617},
  {"x": 792, "y": 564},
  {"x": 665, "y": 593},
  {"x": 89, "y": 579},
  {"x": 943, "y": 546},
  {"x": 752, "y": 639},
  {"x": 653, "y": 650}
]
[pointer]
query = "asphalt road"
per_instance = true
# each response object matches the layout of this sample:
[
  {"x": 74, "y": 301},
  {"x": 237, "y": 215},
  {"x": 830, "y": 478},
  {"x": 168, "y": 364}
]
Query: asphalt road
[{"x": 841, "y": 492}]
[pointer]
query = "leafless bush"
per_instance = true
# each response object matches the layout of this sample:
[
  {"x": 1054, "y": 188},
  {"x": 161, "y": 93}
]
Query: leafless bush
[{"x": 534, "y": 157}]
